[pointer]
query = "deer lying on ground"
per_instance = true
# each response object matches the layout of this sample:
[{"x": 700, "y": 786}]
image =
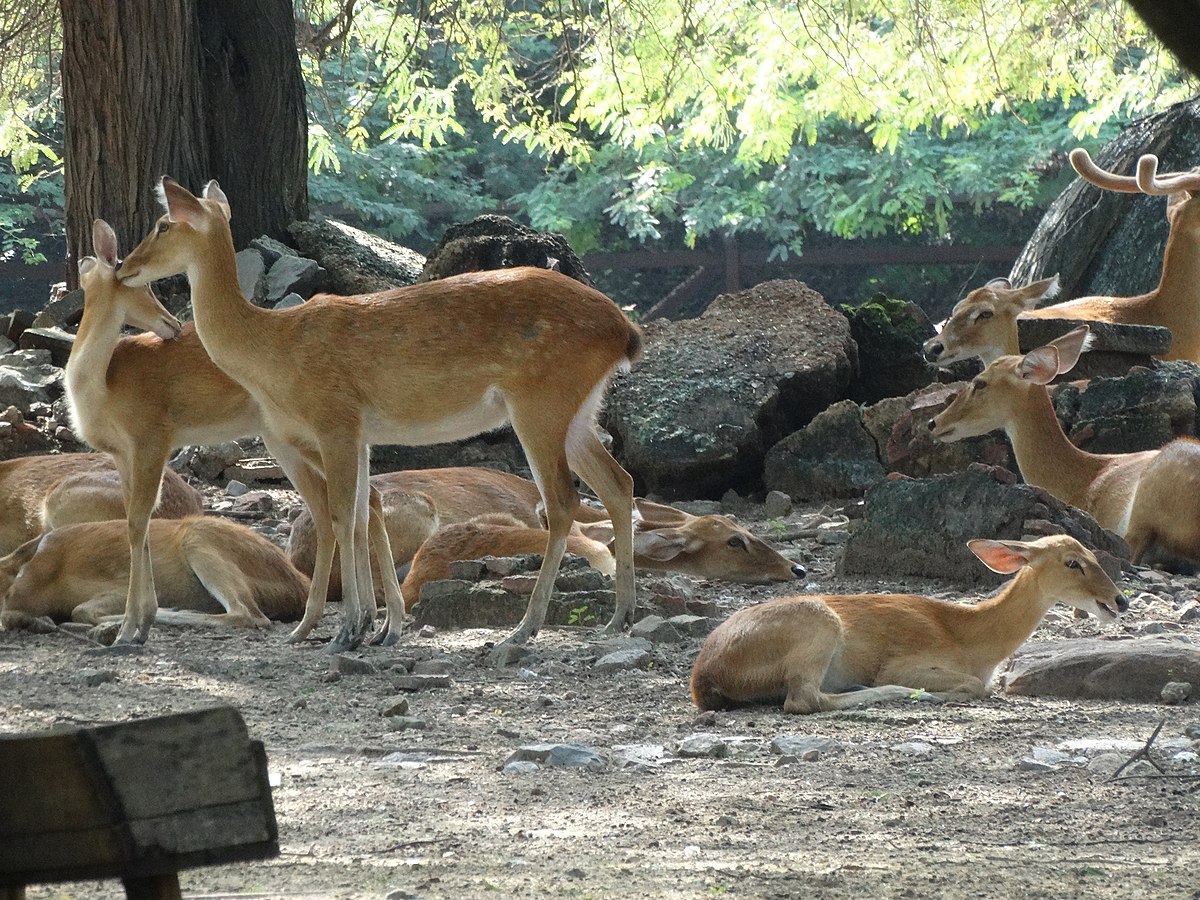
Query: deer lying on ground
[
  {"x": 433, "y": 362},
  {"x": 417, "y": 501},
  {"x": 492, "y": 534},
  {"x": 984, "y": 324},
  {"x": 1147, "y": 497},
  {"x": 826, "y": 652},
  {"x": 210, "y": 570},
  {"x": 38, "y": 493},
  {"x": 143, "y": 396}
]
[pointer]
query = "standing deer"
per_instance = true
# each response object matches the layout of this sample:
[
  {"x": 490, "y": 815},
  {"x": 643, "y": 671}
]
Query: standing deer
[
  {"x": 143, "y": 396},
  {"x": 984, "y": 324},
  {"x": 1147, "y": 497},
  {"x": 417, "y": 501},
  {"x": 38, "y": 493},
  {"x": 815, "y": 653},
  {"x": 434, "y": 362}
]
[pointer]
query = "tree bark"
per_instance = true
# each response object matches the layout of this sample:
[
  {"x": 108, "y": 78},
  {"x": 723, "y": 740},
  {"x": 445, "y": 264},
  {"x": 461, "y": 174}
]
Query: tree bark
[{"x": 195, "y": 89}]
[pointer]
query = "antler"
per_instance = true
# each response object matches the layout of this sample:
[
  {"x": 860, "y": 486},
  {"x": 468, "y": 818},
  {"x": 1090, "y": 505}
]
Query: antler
[
  {"x": 1081, "y": 160},
  {"x": 1150, "y": 182}
]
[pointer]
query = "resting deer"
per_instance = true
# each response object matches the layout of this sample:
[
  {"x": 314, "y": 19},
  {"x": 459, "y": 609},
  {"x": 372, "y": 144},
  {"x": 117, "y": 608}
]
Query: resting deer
[
  {"x": 143, "y": 396},
  {"x": 492, "y": 534},
  {"x": 417, "y": 501},
  {"x": 1147, "y": 497},
  {"x": 984, "y": 324},
  {"x": 826, "y": 652},
  {"x": 38, "y": 493},
  {"x": 434, "y": 362},
  {"x": 211, "y": 570}
]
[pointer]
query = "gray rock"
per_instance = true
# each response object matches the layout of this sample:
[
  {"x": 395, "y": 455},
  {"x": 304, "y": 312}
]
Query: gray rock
[
  {"x": 23, "y": 387},
  {"x": 776, "y": 504},
  {"x": 398, "y": 708},
  {"x": 521, "y": 767},
  {"x": 271, "y": 249},
  {"x": 622, "y": 660},
  {"x": 1033, "y": 765},
  {"x": 832, "y": 456},
  {"x": 1136, "y": 669},
  {"x": 292, "y": 274},
  {"x": 1114, "y": 350},
  {"x": 890, "y": 334},
  {"x": 914, "y": 748},
  {"x": 575, "y": 756},
  {"x": 700, "y": 507},
  {"x": 289, "y": 301},
  {"x": 498, "y": 242},
  {"x": 656, "y": 630},
  {"x": 420, "y": 682},
  {"x": 1175, "y": 692},
  {"x": 433, "y": 667},
  {"x": 357, "y": 262},
  {"x": 466, "y": 570},
  {"x": 236, "y": 488},
  {"x": 95, "y": 677},
  {"x": 6, "y": 346},
  {"x": 799, "y": 744},
  {"x": 696, "y": 746},
  {"x": 921, "y": 526},
  {"x": 406, "y": 723},
  {"x": 692, "y": 625},
  {"x": 349, "y": 665},
  {"x": 712, "y": 394},
  {"x": 54, "y": 340},
  {"x": 66, "y": 310},
  {"x": 251, "y": 273}
]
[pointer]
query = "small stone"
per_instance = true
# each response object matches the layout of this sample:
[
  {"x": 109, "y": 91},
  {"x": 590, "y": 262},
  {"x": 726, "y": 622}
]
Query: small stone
[
  {"x": 811, "y": 755},
  {"x": 96, "y": 677},
  {"x": 831, "y": 533},
  {"x": 405, "y": 723},
  {"x": 520, "y": 767},
  {"x": 500, "y": 565},
  {"x": 620, "y": 660},
  {"x": 776, "y": 505},
  {"x": 427, "y": 631},
  {"x": 519, "y": 584},
  {"x": 433, "y": 667},
  {"x": 420, "y": 682},
  {"x": 289, "y": 301},
  {"x": 466, "y": 569},
  {"x": 399, "y": 708},
  {"x": 1176, "y": 692},
  {"x": 799, "y": 744},
  {"x": 574, "y": 756},
  {"x": 1049, "y": 756},
  {"x": 657, "y": 630},
  {"x": 1028, "y": 764},
  {"x": 300, "y": 703},
  {"x": 349, "y": 665},
  {"x": 914, "y": 748},
  {"x": 787, "y": 760},
  {"x": 236, "y": 488},
  {"x": 696, "y": 746}
]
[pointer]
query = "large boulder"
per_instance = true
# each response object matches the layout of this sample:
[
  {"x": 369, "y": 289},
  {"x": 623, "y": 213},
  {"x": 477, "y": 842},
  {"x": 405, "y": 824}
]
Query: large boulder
[
  {"x": 711, "y": 394},
  {"x": 832, "y": 456},
  {"x": 920, "y": 527},
  {"x": 890, "y": 334},
  {"x": 356, "y": 262},
  {"x": 1103, "y": 670},
  {"x": 497, "y": 242}
]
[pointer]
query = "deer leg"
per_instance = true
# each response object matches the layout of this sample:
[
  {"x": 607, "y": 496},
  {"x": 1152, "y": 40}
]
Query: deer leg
[
  {"x": 381, "y": 547},
  {"x": 340, "y": 461},
  {"x": 614, "y": 486},
  {"x": 141, "y": 479}
]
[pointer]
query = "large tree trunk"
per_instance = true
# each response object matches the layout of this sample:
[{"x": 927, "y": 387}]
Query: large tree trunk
[
  {"x": 1111, "y": 244},
  {"x": 195, "y": 89}
]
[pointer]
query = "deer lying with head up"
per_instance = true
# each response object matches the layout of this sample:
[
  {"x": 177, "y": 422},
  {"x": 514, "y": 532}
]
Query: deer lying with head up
[
  {"x": 826, "y": 652},
  {"x": 210, "y": 570},
  {"x": 1148, "y": 497},
  {"x": 984, "y": 324},
  {"x": 433, "y": 362},
  {"x": 141, "y": 397},
  {"x": 417, "y": 501},
  {"x": 38, "y": 493}
]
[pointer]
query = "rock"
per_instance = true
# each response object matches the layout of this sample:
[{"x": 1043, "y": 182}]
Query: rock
[
  {"x": 433, "y": 667},
  {"x": 95, "y": 677},
  {"x": 271, "y": 249},
  {"x": 696, "y": 746},
  {"x": 208, "y": 462},
  {"x": 656, "y": 630},
  {"x": 420, "y": 682},
  {"x": 293, "y": 274},
  {"x": 777, "y": 504},
  {"x": 800, "y": 744},
  {"x": 236, "y": 488},
  {"x": 921, "y": 526},
  {"x": 701, "y": 507},
  {"x": 357, "y": 262},
  {"x": 914, "y": 748},
  {"x": 464, "y": 604},
  {"x": 1115, "y": 349},
  {"x": 692, "y": 625},
  {"x": 890, "y": 334},
  {"x": 466, "y": 570},
  {"x": 1175, "y": 692},
  {"x": 622, "y": 660},
  {"x": 251, "y": 272},
  {"x": 1033, "y": 765},
  {"x": 832, "y": 456},
  {"x": 27, "y": 385},
  {"x": 58, "y": 314},
  {"x": 575, "y": 756},
  {"x": 18, "y": 321},
  {"x": 52, "y": 339},
  {"x": 289, "y": 301},
  {"x": 1137, "y": 669},
  {"x": 349, "y": 665},
  {"x": 498, "y": 242},
  {"x": 406, "y": 723},
  {"x": 712, "y": 394},
  {"x": 398, "y": 708}
]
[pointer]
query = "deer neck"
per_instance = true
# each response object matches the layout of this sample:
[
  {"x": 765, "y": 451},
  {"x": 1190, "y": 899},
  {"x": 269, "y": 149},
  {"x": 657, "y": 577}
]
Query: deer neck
[
  {"x": 224, "y": 318},
  {"x": 1045, "y": 455},
  {"x": 1180, "y": 272},
  {"x": 999, "y": 625},
  {"x": 87, "y": 366}
]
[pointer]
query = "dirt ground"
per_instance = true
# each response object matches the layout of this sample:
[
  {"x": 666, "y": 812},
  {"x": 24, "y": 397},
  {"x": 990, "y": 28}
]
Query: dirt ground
[{"x": 904, "y": 800}]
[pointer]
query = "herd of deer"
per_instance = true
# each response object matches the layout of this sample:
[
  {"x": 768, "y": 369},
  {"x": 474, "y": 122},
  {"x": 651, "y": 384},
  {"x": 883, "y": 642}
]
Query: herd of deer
[{"x": 443, "y": 360}]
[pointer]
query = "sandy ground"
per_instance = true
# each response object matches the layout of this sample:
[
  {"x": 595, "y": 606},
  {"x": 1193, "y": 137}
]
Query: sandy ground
[{"x": 905, "y": 800}]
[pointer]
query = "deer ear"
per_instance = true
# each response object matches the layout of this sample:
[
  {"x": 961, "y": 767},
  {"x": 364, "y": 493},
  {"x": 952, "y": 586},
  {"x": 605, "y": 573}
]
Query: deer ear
[
  {"x": 1040, "y": 366},
  {"x": 87, "y": 264},
  {"x": 181, "y": 205},
  {"x": 662, "y": 544},
  {"x": 1037, "y": 291},
  {"x": 1004, "y": 557},
  {"x": 212, "y": 191},
  {"x": 999, "y": 284},
  {"x": 104, "y": 242},
  {"x": 1071, "y": 346},
  {"x": 601, "y": 531}
]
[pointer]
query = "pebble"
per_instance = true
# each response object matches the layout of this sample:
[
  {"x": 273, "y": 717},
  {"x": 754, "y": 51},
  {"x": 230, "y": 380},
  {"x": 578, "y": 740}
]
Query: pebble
[
  {"x": 800, "y": 744},
  {"x": 398, "y": 708},
  {"x": 777, "y": 505},
  {"x": 1029, "y": 764},
  {"x": 914, "y": 748},
  {"x": 420, "y": 682},
  {"x": 696, "y": 746},
  {"x": 433, "y": 667},
  {"x": 406, "y": 723},
  {"x": 349, "y": 665},
  {"x": 575, "y": 756},
  {"x": 236, "y": 488},
  {"x": 623, "y": 660},
  {"x": 657, "y": 630},
  {"x": 1176, "y": 692},
  {"x": 96, "y": 677}
]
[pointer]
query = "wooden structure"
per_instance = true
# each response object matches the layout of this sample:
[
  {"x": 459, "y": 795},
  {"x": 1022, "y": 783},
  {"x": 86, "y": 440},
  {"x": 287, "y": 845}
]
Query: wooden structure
[{"x": 137, "y": 801}]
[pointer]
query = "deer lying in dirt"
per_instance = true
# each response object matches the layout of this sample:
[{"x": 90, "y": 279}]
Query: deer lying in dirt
[
  {"x": 984, "y": 324},
  {"x": 38, "y": 493},
  {"x": 208, "y": 569},
  {"x": 416, "y": 502},
  {"x": 1148, "y": 497},
  {"x": 493, "y": 534},
  {"x": 826, "y": 652}
]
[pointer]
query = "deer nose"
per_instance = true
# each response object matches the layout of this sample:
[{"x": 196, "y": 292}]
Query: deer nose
[
  {"x": 934, "y": 351},
  {"x": 799, "y": 571},
  {"x": 1122, "y": 603}
]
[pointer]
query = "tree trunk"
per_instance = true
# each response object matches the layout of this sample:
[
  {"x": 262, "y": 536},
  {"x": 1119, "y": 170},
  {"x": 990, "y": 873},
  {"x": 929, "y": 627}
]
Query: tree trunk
[{"x": 195, "y": 89}]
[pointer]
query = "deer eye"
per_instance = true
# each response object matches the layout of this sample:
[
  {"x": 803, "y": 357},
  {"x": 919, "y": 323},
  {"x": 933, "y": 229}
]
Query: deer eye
[
  {"x": 1074, "y": 564},
  {"x": 984, "y": 314},
  {"x": 163, "y": 226},
  {"x": 979, "y": 384},
  {"x": 736, "y": 543}
]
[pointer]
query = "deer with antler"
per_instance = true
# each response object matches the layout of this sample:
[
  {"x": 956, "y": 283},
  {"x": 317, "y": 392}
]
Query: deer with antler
[
  {"x": 142, "y": 396},
  {"x": 1148, "y": 497},
  {"x": 433, "y": 362},
  {"x": 984, "y": 323}
]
